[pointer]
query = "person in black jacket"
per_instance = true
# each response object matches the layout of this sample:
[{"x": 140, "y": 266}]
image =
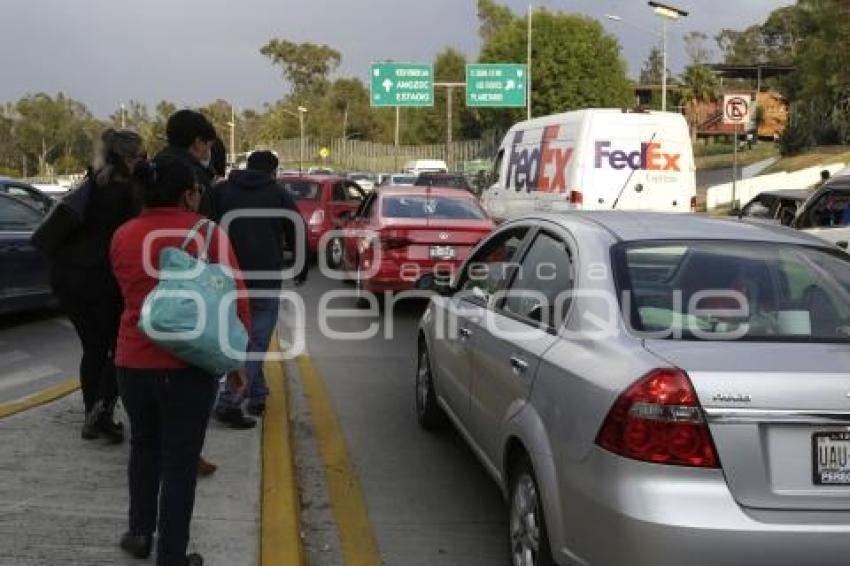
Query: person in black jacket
[
  {"x": 190, "y": 138},
  {"x": 82, "y": 280},
  {"x": 259, "y": 243}
]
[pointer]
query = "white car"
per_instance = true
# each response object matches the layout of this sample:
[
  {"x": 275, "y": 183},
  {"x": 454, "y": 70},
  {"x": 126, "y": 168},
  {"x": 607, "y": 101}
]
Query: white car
[{"x": 365, "y": 180}]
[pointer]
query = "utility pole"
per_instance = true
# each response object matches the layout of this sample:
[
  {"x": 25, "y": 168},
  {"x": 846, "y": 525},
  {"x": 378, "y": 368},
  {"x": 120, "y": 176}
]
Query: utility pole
[
  {"x": 232, "y": 125},
  {"x": 664, "y": 65},
  {"x": 397, "y": 121},
  {"x": 528, "y": 62},
  {"x": 449, "y": 117},
  {"x": 123, "y": 117},
  {"x": 449, "y": 152}
]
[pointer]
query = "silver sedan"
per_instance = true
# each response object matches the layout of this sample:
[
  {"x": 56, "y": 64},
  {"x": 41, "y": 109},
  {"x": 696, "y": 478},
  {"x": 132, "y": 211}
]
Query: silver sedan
[{"x": 651, "y": 389}]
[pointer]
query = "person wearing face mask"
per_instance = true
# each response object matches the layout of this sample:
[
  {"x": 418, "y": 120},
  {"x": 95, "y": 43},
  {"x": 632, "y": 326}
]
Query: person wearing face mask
[
  {"x": 190, "y": 139},
  {"x": 82, "y": 280},
  {"x": 168, "y": 401}
]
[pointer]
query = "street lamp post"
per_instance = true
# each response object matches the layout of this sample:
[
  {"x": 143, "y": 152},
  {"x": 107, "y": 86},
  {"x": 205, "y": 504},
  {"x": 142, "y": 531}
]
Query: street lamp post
[
  {"x": 232, "y": 125},
  {"x": 667, "y": 13},
  {"x": 300, "y": 115}
]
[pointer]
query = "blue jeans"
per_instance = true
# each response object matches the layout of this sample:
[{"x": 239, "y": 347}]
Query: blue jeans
[{"x": 264, "y": 313}]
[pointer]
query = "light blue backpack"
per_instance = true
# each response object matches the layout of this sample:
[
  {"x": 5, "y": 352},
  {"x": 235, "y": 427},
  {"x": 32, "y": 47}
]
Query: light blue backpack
[{"x": 186, "y": 313}]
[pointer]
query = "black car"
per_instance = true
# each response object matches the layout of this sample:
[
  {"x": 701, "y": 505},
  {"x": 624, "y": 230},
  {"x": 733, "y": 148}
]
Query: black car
[
  {"x": 779, "y": 206},
  {"x": 446, "y": 180},
  {"x": 24, "y": 279}
]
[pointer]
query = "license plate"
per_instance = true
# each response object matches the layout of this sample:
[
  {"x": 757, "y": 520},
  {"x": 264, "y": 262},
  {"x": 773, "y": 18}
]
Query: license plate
[
  {"x": 443, "y": 252},
  {"x": 831, "y": 452}
]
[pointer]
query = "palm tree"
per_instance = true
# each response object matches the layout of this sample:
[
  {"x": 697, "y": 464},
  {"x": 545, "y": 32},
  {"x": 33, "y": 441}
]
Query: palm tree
[{"x": 699, "y": 87}]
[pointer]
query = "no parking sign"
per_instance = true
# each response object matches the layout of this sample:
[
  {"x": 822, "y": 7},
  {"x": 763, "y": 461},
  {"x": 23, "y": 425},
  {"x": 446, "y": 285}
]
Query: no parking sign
[{"x": 736, "y": 108}]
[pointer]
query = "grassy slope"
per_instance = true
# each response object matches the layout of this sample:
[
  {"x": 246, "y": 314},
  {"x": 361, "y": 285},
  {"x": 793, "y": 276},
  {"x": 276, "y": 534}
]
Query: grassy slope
[{"x": 812, "y": 158}]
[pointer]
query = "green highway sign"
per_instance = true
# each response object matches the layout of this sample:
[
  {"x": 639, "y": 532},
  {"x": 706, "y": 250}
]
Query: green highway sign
[
  {"x": 402, "y": 84},
  {"x": 496, "y": 86}
]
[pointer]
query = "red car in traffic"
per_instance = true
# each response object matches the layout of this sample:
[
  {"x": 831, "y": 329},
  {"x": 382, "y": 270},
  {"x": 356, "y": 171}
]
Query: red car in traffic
[
  {"x": 401, "y": 237},
  {"x": 323, "y": 201}
]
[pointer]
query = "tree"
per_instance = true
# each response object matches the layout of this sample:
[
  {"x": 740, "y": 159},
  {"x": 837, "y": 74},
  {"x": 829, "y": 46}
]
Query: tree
[
  {"x": 428, "y": 125},
  {"x": 576, "y": 64},
  {"x": 306, "y": 66},
  {"x": 652, "y": 71},
  {"x": 742, "y": 47},
  {"x": 493, "y": 18},
  {"x": 699, "y": 87},
  {"x": 695, "y": 47},
  {"x": 47, "y": 129}
]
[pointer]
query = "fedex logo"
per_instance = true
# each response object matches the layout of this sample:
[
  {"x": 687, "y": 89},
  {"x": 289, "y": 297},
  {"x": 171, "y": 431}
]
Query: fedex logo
[
  {"x": 648, "y": 158},
  {"x": 542, "y": 168}
]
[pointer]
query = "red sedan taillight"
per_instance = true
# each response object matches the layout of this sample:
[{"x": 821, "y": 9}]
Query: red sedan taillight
[
  {"x": 394, "y": 241},
  {"x": 659, "y": 420}
]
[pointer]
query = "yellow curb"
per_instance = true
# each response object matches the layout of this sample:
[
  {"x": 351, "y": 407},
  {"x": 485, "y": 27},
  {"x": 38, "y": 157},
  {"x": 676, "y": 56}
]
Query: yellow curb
[
  {"x": 359, "y": 547},
  {"x": 280, "y": 524},
  {"x": 41, "y": 398}
]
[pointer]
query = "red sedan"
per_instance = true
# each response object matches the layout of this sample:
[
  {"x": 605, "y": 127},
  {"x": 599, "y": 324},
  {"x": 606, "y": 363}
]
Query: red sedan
[
  {"x": 323, "y": 201},
  {"x": 402, "y": 236}
]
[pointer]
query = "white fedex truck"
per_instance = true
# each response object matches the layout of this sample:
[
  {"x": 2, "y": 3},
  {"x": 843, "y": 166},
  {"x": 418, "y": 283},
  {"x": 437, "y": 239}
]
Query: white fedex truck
[{"x": 596, "y": 159}]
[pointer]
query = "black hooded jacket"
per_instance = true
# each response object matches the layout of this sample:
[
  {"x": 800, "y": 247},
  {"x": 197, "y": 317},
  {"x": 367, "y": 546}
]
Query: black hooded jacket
[
  {"x": 257, "y": 241},
  {"x": 202, "y": 174}
]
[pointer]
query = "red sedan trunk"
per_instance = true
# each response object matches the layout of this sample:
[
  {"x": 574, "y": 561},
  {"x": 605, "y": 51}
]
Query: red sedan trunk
[{"x": 401, "y": 253}]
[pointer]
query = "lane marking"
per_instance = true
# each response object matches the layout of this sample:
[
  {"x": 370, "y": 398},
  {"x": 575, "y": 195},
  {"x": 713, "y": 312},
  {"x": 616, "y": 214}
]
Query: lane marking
[
  {"x": 37, "y": 399},
  {"x": 280, "y": 523},
  {"x": 359, "y": 545},
  {"x": 13, "y": 357},
  {"x": 28, "y": 375}
]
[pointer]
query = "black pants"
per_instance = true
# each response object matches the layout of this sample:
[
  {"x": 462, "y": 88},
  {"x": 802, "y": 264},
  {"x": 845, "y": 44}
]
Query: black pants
[
  {"x": 92, "y": 300},
  {"x": 168, "y": 410}
]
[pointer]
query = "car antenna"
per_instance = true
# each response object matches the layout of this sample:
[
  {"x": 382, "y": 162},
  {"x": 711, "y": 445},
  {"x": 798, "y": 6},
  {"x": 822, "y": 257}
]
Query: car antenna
[{"x": 626, "y": 184}]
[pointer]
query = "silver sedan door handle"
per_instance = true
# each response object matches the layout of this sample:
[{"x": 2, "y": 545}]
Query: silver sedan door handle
[{"x": 519, "y": 366}]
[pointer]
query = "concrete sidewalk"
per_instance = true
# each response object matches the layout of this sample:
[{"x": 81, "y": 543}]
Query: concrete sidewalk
[{"x": 63, "y": 500}]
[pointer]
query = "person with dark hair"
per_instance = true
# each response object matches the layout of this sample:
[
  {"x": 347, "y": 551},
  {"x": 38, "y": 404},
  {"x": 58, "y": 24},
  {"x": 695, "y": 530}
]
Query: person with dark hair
[
  {"x": 218, "y": 160},
  {"x": 82, "y": 279},
  {"x": 190, "y": 138},
  {"x": 167, "y": 400},
  {"x": 259, "y": 245}
]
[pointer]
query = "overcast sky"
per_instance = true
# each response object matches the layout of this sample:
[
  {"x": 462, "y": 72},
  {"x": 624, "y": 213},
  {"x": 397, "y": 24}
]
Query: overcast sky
[{"x": 103, "y": 52}]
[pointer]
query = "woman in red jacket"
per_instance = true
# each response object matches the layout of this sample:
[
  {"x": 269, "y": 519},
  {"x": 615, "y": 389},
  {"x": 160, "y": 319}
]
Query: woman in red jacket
[{"x": 168, "y": 402}]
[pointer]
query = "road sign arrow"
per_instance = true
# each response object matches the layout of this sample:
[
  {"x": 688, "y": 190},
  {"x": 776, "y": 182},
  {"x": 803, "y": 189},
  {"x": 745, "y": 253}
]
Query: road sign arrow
[
  {"x": 387, "y": 84},
  {"x": 510, "y": 85}
]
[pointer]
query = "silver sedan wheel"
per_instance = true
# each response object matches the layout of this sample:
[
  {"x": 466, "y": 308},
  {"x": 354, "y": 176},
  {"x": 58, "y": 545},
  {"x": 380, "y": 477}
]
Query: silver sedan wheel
[
  {"x": 423, "y": 382},
  {"x": 525, "y": 522}
]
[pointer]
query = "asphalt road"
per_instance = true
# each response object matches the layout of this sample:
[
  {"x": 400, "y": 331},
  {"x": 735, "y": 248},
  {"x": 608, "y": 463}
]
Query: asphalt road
[
  {"x": 428, "y": 499},
  {"x": 37, "y": 349}
]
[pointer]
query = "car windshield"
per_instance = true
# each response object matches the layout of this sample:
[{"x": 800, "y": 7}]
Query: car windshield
[
  {"x": 403, "y": 180},
  {"x": 735, "y": 291},
  {"x": 420, "y": 206},
  {"x": 302, "y": 190}
]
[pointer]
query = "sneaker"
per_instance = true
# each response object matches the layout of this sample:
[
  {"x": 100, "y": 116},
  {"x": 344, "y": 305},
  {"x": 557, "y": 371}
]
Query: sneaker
[
  {"x": 89, "y": 431},
  {"x": 138, "y": 546},
  {"x": 256, "y": 409},
  {"x": 206, "y": 468},
  {"x": 110, "y": 430},
  {"x": 233, "y": 417}
]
